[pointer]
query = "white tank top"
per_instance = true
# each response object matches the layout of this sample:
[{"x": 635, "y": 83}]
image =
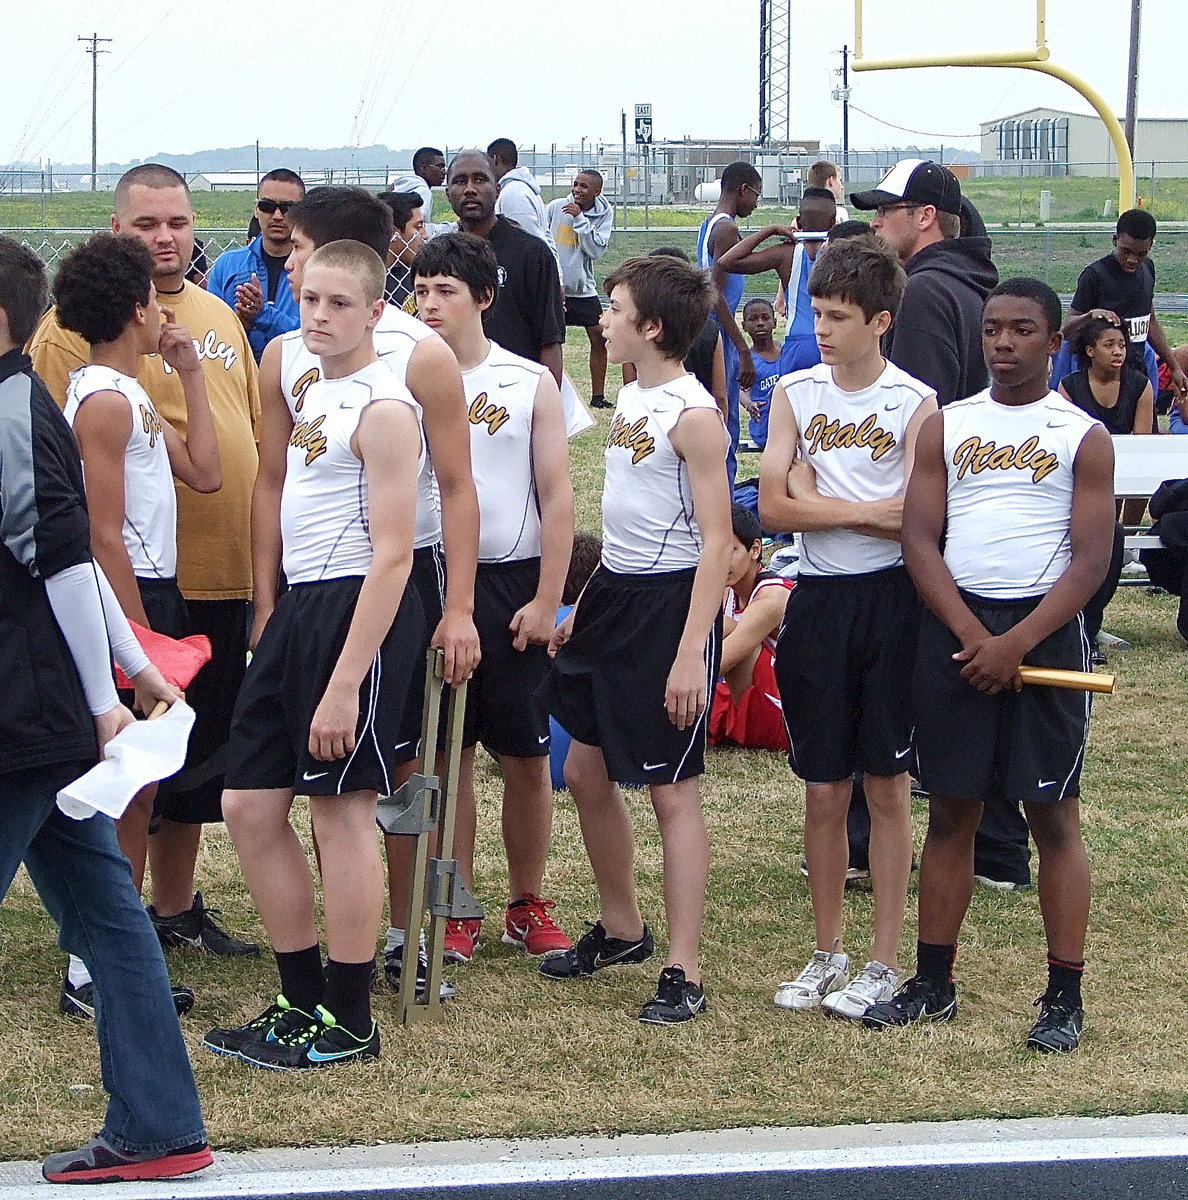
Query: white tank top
[
  {"x": 395, "y": 338},
  {"x": 1010, "y": 486},
  {"x": 324, "y": 517},
  {"x": 150, "y": 502},
  {"x": 855, "y": 443},
  {"x": 648, "y": 523},
  {"x": 501, "y": 398}
]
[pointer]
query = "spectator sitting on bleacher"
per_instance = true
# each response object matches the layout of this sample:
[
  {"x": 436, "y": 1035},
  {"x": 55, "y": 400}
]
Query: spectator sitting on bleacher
[{"x": 746, "y": 706}]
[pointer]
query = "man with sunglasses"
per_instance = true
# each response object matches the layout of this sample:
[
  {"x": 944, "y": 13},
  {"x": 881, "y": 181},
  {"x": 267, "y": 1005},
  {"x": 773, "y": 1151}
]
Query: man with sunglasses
[
  {"x": 253, "y": 281},
  {"x": 937, "y": 336}
]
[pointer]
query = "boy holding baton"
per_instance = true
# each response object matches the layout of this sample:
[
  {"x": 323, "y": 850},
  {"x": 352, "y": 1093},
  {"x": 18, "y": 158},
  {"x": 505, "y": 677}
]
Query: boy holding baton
[{"x": 1019, "y": 485}]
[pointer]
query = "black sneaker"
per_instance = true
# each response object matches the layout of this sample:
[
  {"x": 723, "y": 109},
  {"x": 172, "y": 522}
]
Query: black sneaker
[
  {"x": 100, "y": 1162},
  {"x": 676, "y": 1000},
  {"x": 918, "y": 1000},
  {"x": 392, "y": 974},
  {"x": 197, "y": 929},
  {"x": 600, "y": 402},
  {"x": 594, "y": 950},
  {"x": 1058, "y": 1029},
  {"x": 79, "y": 1001},
  {"x": 317, "y": 1042},
  {"x": 232, "y": 1039}
]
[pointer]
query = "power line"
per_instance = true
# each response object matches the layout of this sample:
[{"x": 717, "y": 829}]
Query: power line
[{"x": 953, "y": 137}]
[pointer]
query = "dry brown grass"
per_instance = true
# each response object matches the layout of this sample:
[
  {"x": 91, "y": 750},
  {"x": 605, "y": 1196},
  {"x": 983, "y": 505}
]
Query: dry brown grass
[{"x": 518, "y": 1055}]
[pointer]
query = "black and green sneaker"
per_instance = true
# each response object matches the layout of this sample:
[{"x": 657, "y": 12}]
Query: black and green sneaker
[
  {"x": 319, "y": 1042},
  {"x": 259, "y": 1029}
]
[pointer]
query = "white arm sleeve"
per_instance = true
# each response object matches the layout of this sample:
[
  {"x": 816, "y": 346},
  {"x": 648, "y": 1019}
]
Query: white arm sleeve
[
  {"x": 125, "y": 648},
  {"x": 74, "y": 597}
]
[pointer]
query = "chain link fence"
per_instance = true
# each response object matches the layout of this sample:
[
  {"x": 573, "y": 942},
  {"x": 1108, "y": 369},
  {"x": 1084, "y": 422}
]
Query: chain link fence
[{"x": 1055, "y": 255}]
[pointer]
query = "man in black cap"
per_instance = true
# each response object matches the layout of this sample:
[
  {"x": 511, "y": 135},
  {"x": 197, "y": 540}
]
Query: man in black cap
[
  {"x": 937, "y": 334},
  {"x": 937, "y": 337}
]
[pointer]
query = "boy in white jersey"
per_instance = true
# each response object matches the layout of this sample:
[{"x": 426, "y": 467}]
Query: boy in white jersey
[
  {"x": 839, "y": 453},
  {"x": 637, "y": 659},
  {"x": 447, "y": 508},
  {"x": 104, "y": 291},
  {"x": 321, "y": 706},
  {"x": 1007, "y": 531},
  {"x": 520, "y": 458}
]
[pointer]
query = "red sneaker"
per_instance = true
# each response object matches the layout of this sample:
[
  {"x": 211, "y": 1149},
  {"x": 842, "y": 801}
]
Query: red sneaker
[
  {"x": 530, "y": 926},
  {"x": 462, "y": 939}
]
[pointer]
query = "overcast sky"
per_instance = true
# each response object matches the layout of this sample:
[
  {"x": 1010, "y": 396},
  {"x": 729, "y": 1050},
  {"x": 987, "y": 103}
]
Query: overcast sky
[{"x": 187, "y": 77}]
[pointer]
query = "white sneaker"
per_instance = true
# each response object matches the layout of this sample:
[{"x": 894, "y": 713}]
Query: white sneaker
[
  {"x": 872, "y": 985},
  {"x": 825, "y": 973}
]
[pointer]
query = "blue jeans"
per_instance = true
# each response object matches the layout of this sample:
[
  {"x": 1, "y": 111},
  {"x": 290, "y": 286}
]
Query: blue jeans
[{"x": 85, "y": 883}]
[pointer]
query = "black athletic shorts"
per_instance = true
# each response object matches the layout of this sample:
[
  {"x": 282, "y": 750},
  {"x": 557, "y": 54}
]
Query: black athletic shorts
[
  {"x": 1028, "y": 745},
  {"x": 504, "y": 710},
  {"x": 164, "y": 606},
  {"x": 427, "y": 579},
  {"x": 583, "y": 310},
  {"x": 608, "y": 681},
  {"x": 844, "y": 668},
  {"x": 287, "y": 678}
]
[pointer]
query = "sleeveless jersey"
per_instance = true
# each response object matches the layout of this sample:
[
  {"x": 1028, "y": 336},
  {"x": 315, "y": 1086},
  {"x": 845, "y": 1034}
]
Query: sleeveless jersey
[
  {"x": 501, "y": 397},
  {"x": 733, "y": 607},
  {"x": 395, "y": 337},
  {"x": 324, "y": 518},
  {"x": 767, "y": 375},
  {"x": 150, "y": 502},
  {"x": 648, "y": 523},
  {"x": 854, "y": 442},
  {"x": 1120, "y": 418},
  {"x": 1010, "y": 487},
  {"x": 800, "y": 311},
  {"x": 733, "y": 289}
]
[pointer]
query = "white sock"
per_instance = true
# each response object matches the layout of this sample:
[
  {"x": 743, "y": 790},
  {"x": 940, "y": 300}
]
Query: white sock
[
  {"x": 396, "y": 940},
  {"x": 77, "y": 973}
]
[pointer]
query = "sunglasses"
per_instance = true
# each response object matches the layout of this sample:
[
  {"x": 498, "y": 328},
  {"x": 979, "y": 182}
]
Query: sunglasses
[
  {"x": 268, "y": 207},
  {"x": 884, "y": 209}
]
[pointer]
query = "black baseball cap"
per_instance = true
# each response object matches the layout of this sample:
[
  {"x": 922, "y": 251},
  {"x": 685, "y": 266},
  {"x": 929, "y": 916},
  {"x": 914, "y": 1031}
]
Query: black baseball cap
[{"x": 917, "y": 180}]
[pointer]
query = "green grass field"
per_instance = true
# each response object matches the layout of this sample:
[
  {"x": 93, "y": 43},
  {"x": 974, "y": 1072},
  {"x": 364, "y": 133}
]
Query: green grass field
[{"x": 520, "y": 1056}]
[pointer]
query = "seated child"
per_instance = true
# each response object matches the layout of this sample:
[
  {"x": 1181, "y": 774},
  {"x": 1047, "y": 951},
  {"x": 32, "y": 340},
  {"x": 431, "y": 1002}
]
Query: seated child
[{"x": 747, "y": 708}]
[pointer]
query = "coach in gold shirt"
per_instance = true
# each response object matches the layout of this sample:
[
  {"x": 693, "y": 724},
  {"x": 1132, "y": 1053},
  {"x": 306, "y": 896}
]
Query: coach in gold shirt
[{"x": 152, "y": 203}]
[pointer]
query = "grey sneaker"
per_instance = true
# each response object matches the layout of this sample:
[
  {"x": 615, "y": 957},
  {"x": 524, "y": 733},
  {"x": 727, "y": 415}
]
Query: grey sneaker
[
  {"x": 872, "y": 985},
  {"x": 824, "y": 973}
]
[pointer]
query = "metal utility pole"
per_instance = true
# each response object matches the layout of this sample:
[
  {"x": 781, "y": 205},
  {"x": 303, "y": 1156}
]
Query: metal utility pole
[
  {"x": 843, "y": 94},
  {"x": 94, "y": 51},
  {"x": 1132, "y": 73}
]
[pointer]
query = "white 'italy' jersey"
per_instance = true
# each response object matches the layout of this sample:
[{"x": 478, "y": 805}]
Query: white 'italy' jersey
[
  {"x": 501, "y": 400},
  {"x": 325, "y": 525},
  {"x": 395, "y": 337},
  {"x": 150, "y": 502}
]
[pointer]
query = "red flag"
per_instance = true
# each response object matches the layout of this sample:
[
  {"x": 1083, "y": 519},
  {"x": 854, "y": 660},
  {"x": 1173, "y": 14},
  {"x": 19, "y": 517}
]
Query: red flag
[{"x": 178, "y": 661}]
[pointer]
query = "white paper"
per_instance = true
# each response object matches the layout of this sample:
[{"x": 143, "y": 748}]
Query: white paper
[
  {"x": 577, "y": 415},
  {"x": 145, "y": 752}
]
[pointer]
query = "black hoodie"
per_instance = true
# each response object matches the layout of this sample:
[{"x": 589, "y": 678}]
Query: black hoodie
[{"x": 937, "y": 336}]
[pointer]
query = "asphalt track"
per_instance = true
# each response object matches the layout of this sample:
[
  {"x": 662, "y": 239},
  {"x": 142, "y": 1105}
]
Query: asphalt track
[{"x": 1034, "y": 1159}]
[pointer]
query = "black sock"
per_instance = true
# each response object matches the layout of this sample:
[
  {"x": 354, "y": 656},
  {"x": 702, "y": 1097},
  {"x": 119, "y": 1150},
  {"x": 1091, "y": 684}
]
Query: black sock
[
  {"x": 1064, "y": 980},
  {"x": 348, "y": 995},
  {"x": 935, "y": 963},
  {"x": 301, "y": 978}
]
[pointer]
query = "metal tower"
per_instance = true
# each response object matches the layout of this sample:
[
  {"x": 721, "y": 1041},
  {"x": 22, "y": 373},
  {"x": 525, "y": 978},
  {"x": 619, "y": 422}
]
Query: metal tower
[{"x": 775, "y": 72}]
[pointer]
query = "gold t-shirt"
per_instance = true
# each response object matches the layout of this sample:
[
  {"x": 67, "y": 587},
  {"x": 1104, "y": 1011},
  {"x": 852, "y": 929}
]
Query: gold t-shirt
[{"x": 213, "y": 531}]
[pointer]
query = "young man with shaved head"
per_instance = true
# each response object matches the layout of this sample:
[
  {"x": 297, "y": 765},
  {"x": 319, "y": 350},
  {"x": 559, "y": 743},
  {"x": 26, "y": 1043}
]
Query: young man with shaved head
[{"x": 214, "y": 570}]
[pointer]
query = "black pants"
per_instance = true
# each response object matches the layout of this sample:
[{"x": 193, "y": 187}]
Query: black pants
[
  {"x": 1095, "y": 609},
  {"x": 1001, "y": 849}
]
